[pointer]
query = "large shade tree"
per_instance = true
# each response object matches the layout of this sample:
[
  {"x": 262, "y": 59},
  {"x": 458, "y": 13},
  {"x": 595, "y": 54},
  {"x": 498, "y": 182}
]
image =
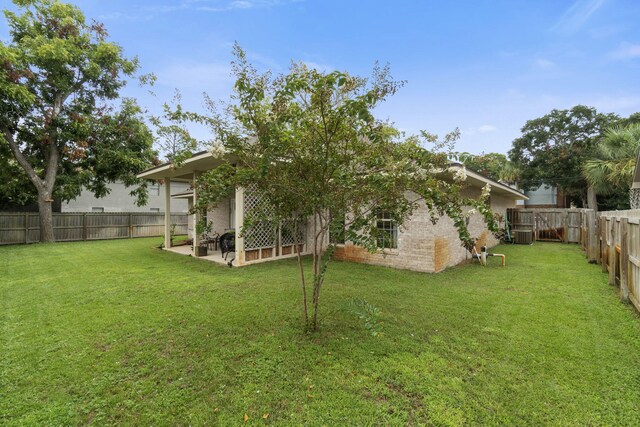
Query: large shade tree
[
  {"x": 553, "y": 149},
  {"x": 309, "y": 144},
  {"x": 59, "y": 77}
]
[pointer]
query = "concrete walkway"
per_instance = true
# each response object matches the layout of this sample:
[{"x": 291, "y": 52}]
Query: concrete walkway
[{"x": 213, "y": 256}]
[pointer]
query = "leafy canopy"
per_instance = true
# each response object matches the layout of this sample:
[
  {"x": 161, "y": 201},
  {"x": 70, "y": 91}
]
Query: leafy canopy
[
  {"x": 59, "y": 76},
  {"x": 615, "y": 160},
  {"x": 553, "y": 148},
  {"x": 310, "y": 144},
  {"x": 492, "y": 165}
]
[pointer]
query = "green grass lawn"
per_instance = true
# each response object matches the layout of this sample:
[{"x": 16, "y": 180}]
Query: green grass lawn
[{"x": 118, "y": 332}]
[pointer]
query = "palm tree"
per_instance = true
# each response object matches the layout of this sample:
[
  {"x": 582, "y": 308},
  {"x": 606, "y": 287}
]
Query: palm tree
[{"x": 615, "y": 164}]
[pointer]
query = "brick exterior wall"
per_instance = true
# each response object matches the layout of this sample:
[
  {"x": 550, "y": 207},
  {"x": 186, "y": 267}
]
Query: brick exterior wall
[
  {"x": 425, "y": 247},
  {"x": 415, "y": 246},
  {"x": 449, "y": 250}
]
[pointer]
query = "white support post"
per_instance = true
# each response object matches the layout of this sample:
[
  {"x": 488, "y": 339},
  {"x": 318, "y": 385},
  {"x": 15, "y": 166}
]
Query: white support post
[
  {"x": 167, "y": 212},
  {"x": 196, "y": 216},
  {"x": 239, "y": 223},
  {"x": 190, "y": 226}
]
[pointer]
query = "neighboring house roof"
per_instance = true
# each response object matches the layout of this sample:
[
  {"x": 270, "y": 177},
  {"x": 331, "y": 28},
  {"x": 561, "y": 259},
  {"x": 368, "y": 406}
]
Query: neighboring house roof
[{"x": 204, "y": 161}]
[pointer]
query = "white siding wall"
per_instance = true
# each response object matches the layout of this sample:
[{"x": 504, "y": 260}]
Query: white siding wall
[{"x": 119, "y": 200}]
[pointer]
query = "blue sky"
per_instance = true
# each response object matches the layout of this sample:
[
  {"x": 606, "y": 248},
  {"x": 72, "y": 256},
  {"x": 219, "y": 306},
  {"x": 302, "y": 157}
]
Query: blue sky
[{"x": 483, "y": 66}]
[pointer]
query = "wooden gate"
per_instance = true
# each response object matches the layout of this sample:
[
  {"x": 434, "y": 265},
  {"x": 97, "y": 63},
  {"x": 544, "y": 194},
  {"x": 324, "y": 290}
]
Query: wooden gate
[{"x": 551, "y": 225}]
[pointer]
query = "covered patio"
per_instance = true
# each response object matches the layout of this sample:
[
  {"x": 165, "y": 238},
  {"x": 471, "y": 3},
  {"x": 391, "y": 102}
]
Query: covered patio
[{"x": 262, "y": 242}]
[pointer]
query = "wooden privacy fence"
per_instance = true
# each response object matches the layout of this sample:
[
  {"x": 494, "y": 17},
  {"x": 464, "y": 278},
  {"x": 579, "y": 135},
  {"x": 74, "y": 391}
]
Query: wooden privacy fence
[
  {"x": 551, "y": 225},
  {"x": 24, "y": 227},
  {"x": 619, "y": 252}
]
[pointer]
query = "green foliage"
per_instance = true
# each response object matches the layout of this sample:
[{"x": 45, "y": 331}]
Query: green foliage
[
  {"x": 310, "y": 144},
  {"x": 59, "y": 77},
  {"x": 172, "y": 136},
  {"x": 553, "y": 148},
  {"x": 491, "y": 165},
  {"x": 615, "y": 160},
  {"x": 139, "y": 336},
  {"x": 367, "y": 313}
]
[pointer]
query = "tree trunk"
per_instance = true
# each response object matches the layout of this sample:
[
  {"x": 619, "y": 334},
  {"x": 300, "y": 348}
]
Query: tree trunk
[
  {"x": 592, "y": 202},
  {"x": 46, "y": 217},
  {"x": 302, "y": 281}
]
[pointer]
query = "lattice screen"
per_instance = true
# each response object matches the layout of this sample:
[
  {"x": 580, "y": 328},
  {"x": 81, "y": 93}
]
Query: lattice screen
[
  {"x": 288, "y": 232},
  {"x": 262, "y": 234},
  {"x": 634, "y": 198}
]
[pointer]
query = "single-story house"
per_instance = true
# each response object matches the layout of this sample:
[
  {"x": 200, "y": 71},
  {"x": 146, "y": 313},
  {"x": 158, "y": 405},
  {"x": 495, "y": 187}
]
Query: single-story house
[{"x": 417, "y": 245}]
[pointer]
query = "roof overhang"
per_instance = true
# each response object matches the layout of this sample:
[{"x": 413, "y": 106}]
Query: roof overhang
[
  {"x": 183, "y": 195},
  {"x": 205, "y": 161},
  {"x": 478, "y": 180},
  {"x": 199, "y": 162}
]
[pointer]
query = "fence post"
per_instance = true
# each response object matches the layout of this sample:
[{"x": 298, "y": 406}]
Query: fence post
[
  {"x": 624, "y": 259},
  {"x": 84, "y": 226},
  {"x": 603, "y": 243},
  {"x": 592, "y": 229},
  {"x": 612, "y": 253},
  {"x": 565, "y": 226},
  {"x": 26, "y": 227},
  {"x": 130, "y": 226}
]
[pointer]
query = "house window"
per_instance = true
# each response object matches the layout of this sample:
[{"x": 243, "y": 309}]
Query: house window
[
  {"x": 154, "y": 190},
  {"x": 155, "y": 209},
  {"x": 97, "y": 209},
  {"x": 388, "y": 228}
]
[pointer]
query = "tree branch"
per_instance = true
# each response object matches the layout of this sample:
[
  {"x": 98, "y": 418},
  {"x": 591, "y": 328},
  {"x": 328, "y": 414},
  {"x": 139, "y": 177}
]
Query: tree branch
[{"x": 22, "y": 160}]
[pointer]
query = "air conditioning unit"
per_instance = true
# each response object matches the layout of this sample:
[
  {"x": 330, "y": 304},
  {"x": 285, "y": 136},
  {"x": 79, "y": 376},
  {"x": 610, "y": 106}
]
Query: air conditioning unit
[{"x": 522, "y": 237}]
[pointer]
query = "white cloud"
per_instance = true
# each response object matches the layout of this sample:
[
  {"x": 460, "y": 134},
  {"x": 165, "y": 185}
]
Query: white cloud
[
  {"x": 481, "y": 129},
  {"x": 544, "y": 64},
  {"x": 574, "y": 18},
  {"x": 626, "y": 51},
  {"x": 487, "y": 128}
]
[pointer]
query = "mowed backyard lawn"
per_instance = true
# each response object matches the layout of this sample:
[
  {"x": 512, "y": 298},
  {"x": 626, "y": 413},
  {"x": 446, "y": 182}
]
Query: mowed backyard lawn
[{"x": 118, "y": 332}]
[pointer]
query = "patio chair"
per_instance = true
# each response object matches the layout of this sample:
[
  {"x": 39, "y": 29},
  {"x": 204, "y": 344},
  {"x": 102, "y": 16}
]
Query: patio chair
[{"x": 228, "y": 244}]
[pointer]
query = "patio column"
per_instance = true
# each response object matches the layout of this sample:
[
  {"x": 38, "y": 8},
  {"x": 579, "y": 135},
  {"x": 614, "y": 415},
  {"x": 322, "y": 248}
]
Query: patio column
[
  {"x": 239, "y": 223},
  {"x": 196, "y": 215},
  {"x": 167, "y": 212}
]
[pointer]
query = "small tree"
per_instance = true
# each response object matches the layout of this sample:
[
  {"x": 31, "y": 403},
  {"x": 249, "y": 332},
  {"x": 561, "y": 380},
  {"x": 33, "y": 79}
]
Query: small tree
[
  {"x": 58, "y": 77},
  {"x": 172, "y": 136},
  {"x": 308, "y": 143}
]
